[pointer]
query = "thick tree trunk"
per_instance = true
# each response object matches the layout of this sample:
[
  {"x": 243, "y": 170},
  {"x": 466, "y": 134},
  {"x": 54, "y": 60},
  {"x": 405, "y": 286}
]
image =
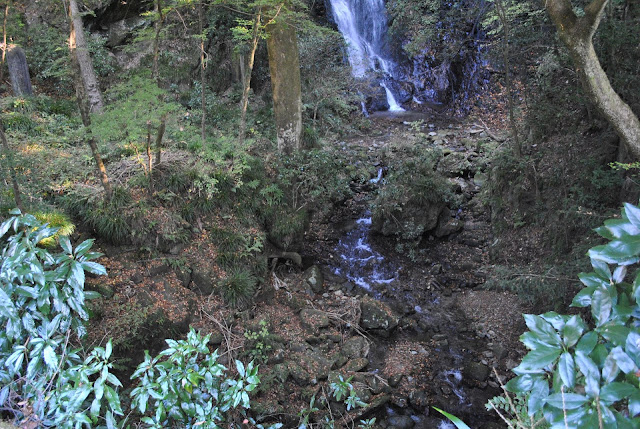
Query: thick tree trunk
[
  {"x": 156, "y": 41},
  {"x": 284, "y": 65},
  {"x": 11, "y": 167},
  {"x": 19, "y": 72},
  {"x": 577, "y": 33},
  {"x": 78, "y": 43},
  {"x": 246, "y": 76}
]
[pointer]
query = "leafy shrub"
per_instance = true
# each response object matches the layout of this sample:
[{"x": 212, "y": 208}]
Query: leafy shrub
[
  {"x": 585, "y": 373},
  {"x": 58, "y": 220},
  {"x": 186, "y": 386},
  {"x": 45, "y": 381}
]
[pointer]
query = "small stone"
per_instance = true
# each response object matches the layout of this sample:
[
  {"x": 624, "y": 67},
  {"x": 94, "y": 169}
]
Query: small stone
[
  {"x": 401, "y": 422},
  {"x": 314, "y": 278},
  {"x": 395, "y": 379},
  {"x": 355, "y": 365}
]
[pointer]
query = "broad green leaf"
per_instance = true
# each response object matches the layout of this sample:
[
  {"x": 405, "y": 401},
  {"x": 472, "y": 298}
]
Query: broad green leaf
[
  {"x": 583, "y": 298},
  {"x": 601, "y": 268},
  {"x": 240, "y": 368},
  {"x": 567, "y": 370},
  {"x": 632, "y": 347},
  {"x": 65, "y": 243},
  {"x": 633, "y": 214},
  {"x": 521, "y": 384},
  {"x": 592, "y": 280},
  {"x": 601, "y": 305},
  {"x": 617, "y": 334},
  {"x": 543, "y": 329},
  {"x": 538, "y": 396},
  {"x": 587, "y": 343},
  {"x": 83, "y": 247},
  {"x": 619, "y": 274},
  {"x": 617, "y": 228},
  {"x": 616, "y": 391},
  {"x": 634, "y": 404},
  {"x": 50, "y": 358},
  {"x": 572, "y": 331},
  {"x": 539, "y": 358},
  {"x": 622, "y": 251},
  {"x": 625, "y": 363},
  {"x": 76, "y": 276},
  {"x": 94, "y": 268},
  {"x": 568, "y": 401},
  {"x": 610, "y": 369},
  {"x": 591, "y": 373}
]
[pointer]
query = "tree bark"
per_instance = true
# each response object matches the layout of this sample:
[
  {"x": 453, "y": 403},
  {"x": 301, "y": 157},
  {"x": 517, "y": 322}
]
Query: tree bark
[
  {"x": 156, "y": 40},
  {"x": 284, "y": 65},
  {"x": 12, "y": 168},
  {"x": 4, "y": 40},
  {"x": 577, "y": 34},
  {"x": 78, "y": 44},
  {"x": 203, "y": 66},
  {"x": 246, "y": 76},
  {"x": 86, "y": 121}
]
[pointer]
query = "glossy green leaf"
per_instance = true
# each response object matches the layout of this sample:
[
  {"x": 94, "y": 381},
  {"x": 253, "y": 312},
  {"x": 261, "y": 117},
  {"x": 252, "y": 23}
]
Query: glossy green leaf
[
  {"x": 539, "y": 358},
  {"x": 572, "y": 331},
  {"x": 633, "y": 214},
  {"x": 617, "y": 334},
  {"x": 616, "y": 391},
  {"x": 591, "y": 373},
  {"x": 601, "y": 268},
  {"x": 455, "y": 420},
  {"x": 567, "y": 370},
  {"x": 610, "y": 369},
  {"x": 621, "y": 251},
  {"x": 634, "y": 404},
  {"x": 625, "y": 363},
  {"x": 538, "y": 396},
  {"x": 601, "y": 306},
  {"x": 587, "y": 343},
  {"x": 568, "y": 401}
]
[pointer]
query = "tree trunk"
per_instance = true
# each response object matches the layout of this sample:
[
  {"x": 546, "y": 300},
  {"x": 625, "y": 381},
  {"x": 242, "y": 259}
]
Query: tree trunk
[
  {"x": 577, "y": 34},
  {"x": 86, "y": 121},
  {"x": 161, "y": 129},
  {"x": 156, "y": 41},
  {"x": 19, "y": 72},
  {"x": 12, "y": 168},
  {"x": 517, "y": 148},
  {"x": 78, "y": 43},
  {"x": 284, "y": 65},
  {"x": 4, "y": 39},
  {"x": 203, "y": 66},
  {"x": 246, "y": 77}
]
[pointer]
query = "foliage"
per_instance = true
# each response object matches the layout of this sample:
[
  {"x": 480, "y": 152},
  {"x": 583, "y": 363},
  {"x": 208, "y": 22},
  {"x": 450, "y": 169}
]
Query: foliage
[
  {"x": 46, "y": 381},
  {"x": 258, "y": 342},
  {"x": 186, "y": 386},
  {"x": 238, "y": 287},
  {"x": 455, "y": 420},
  {"x": 412, "y": 186},
  {"x": 342, "y": 388},
  {"x": 584, "y": 373},
  {"x": 58, "y": 220}
]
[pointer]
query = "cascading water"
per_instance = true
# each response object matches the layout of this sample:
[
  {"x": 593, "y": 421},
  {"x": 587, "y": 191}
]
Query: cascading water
[{"x": 363, "y": 24}]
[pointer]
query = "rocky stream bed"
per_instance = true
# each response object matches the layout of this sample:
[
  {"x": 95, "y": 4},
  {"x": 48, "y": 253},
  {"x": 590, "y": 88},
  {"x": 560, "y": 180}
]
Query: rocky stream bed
[{"x": 413, "y": 331}]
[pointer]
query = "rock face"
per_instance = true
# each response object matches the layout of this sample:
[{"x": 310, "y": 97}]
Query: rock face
[
  {"x": 377, "y": 317},
  {"x": 18, "y": 71},
  {"x": 411, "y": 218}
]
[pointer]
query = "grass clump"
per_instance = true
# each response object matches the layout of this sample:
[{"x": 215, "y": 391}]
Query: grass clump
[{"x": 238, "y": 288}]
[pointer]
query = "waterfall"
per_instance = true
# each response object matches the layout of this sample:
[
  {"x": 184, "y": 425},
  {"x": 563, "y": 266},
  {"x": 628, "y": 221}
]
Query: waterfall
[{"x": 363, "y": 24}]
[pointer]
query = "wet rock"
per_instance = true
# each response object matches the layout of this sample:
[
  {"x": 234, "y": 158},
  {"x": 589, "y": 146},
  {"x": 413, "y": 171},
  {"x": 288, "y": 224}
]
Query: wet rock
[
  {"x": 356, "y": 365},
  {"x": 340, "y": 361},
  {"x": 375, "y": 384},
  {"x": 399, "y": 400},
  {"x": 316, "y": 364},
  {"x": 447, "y": 227},
  {"x": 476, "y": 371},
  {"x": 499, "y": 351},
  {"x": 314, "y": 320},
  {"x": 377, "y": 317},
  {"x": 401, "y": 422},
  {"x": 355, "y": 347},
  {"x": 412, "y": 217},
  {"x": 184, "y": 275},
  {"x": 314, "y": 278}
]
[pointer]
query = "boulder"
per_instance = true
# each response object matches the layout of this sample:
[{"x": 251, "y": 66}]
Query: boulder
[
  {"x": 476, "y": 371},
  {"x": 314, "y": 320},
  {"x": 355, "y": 347},
  {"x": 377, "y": 317},
  {"x": 202, "y": 282},
  {"x": 314, "y": 278}
]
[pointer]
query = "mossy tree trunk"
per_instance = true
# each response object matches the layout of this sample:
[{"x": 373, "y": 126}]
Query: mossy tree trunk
[
  {"x": 203, "y": 66},
  {"x": 577, "y": 34},
  {"x": 284, "y": 65},
  {"x": 78, "y": 43}
]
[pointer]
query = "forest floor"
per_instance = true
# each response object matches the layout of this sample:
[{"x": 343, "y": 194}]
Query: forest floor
[{"x": 432, "y": 337}]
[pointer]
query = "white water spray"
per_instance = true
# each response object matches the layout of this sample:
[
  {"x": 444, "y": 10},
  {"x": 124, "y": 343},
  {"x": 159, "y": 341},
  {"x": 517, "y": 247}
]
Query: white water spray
[{"x": 363, "y": 24}]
